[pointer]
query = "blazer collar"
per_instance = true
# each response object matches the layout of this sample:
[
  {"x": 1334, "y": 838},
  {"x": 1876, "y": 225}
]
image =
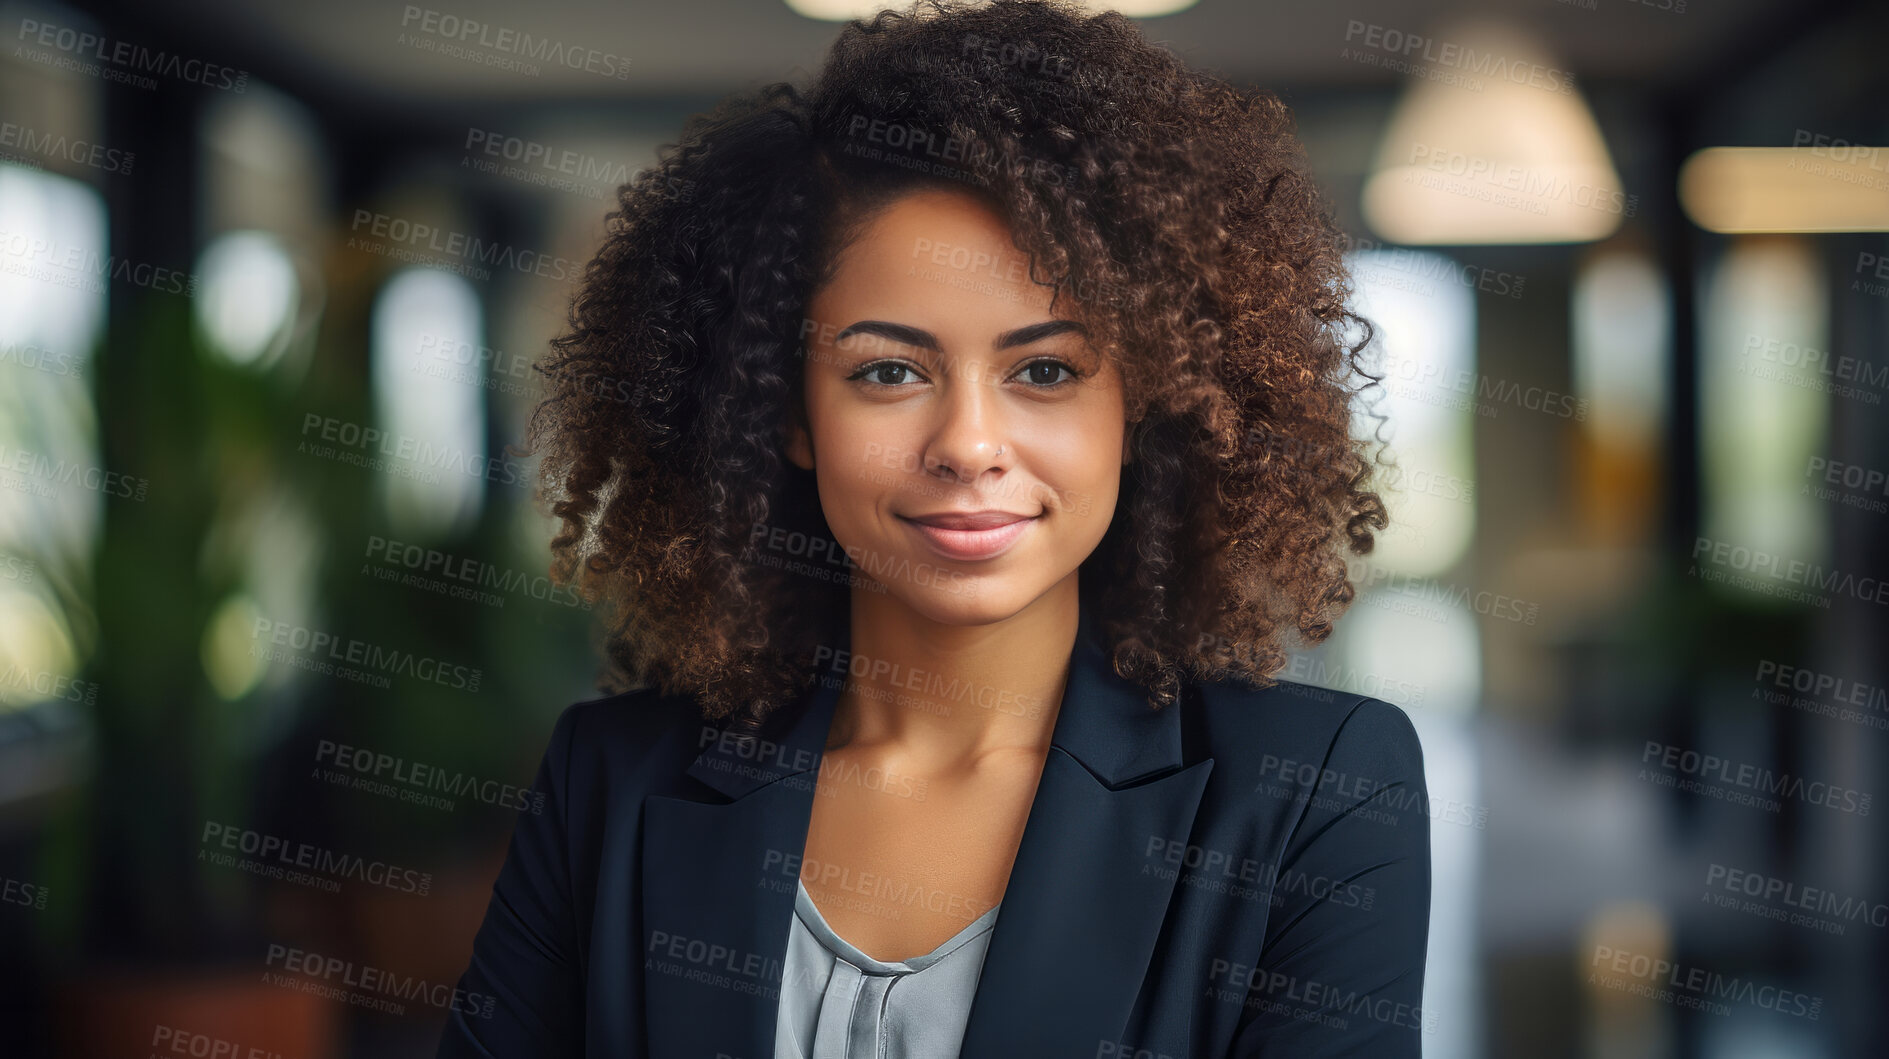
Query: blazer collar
[
  {"x": 717, "y": 878},
  {"x": 1104, "y": 722}
]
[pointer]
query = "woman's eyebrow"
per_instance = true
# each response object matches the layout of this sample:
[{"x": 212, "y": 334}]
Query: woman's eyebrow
[
  {"x": 1023, "y": 336},
  {"x": 922, "y": 339}
]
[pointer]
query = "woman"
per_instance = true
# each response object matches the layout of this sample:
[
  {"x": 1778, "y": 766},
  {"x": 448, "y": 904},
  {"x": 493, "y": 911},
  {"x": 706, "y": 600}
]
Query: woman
[{"x": 960, "y": 444}]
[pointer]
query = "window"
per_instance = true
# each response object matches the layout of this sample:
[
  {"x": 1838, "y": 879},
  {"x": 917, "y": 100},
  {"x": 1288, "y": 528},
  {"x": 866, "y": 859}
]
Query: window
[
  {"x": 52, "y": 488},
  {"x": 430, "y": 403}
]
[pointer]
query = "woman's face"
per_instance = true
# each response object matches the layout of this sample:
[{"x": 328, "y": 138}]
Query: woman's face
[{"x": 939, "y": 384}]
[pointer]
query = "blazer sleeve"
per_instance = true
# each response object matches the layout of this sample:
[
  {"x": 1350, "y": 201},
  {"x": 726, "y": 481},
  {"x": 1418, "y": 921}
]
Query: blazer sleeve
[
  {"x": 1341, "y": 972},
  {"x": 525, "y": 983}
]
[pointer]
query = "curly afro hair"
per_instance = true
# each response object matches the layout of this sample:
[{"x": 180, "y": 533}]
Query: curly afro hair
[{"x": 1173, "y": 210}]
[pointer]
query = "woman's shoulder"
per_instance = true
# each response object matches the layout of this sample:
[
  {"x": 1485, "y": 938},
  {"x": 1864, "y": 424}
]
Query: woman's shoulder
[
  {"x": 1297, "y": 733},
  {"x": 642, "y": 737}
]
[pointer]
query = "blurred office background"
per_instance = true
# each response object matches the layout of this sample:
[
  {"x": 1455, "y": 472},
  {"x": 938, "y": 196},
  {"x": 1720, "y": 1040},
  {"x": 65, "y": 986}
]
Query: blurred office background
[{"x": 272, "y": 276}]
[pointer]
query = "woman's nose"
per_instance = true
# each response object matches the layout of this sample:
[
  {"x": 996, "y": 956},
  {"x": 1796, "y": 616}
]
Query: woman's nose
[{"x": 967, "y": 437}]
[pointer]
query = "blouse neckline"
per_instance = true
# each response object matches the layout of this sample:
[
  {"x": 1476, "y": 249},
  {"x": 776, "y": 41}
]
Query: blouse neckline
[{"x": 809, "y": 914}]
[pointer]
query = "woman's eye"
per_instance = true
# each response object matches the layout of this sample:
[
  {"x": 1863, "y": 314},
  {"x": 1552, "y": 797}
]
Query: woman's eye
[
  {"x": 884, "y": 373},
  {"x": 1043, "y": 372}
]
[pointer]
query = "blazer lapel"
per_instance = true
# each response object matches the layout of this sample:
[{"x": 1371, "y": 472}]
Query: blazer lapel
[
  {"x": 718, "y": 884},
  {"x": 1080, "y": 916},
  {"x": 1086, "y": 899}
]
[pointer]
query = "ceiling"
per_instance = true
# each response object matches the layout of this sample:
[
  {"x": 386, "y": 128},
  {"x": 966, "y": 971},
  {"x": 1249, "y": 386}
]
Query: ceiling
[{"x": 354, "y": 50}]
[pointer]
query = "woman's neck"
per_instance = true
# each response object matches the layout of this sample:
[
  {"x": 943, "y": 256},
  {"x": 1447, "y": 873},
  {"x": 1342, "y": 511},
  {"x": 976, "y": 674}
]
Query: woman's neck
[{"x": 942, "y": 698}]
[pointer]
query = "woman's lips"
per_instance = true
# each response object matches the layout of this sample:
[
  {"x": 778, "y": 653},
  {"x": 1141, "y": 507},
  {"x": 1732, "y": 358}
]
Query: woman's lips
[{"x": 966, "y": 545}]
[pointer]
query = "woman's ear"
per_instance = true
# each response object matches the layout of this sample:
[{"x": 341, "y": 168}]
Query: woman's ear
[{"x": 799, "y": 446}]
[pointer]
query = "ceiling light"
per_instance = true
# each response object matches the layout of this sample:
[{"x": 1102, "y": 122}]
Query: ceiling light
[
  {"x": 1491, "y": 143},
  {"x": 1816, "y": 188},
  {"x": 846, "y": 10}
]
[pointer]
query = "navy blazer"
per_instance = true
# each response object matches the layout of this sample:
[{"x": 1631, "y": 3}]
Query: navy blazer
[{"x": 1244, "y": 874}]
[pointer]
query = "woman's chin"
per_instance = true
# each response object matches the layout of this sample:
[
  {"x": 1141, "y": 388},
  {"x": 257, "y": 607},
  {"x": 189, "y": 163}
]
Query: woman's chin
[{"x": 987, "y": 605}]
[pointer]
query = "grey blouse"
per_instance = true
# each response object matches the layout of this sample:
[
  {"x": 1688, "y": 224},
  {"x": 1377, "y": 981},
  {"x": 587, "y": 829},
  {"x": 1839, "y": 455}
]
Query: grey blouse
[{"x": 839, "y": 1003}]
